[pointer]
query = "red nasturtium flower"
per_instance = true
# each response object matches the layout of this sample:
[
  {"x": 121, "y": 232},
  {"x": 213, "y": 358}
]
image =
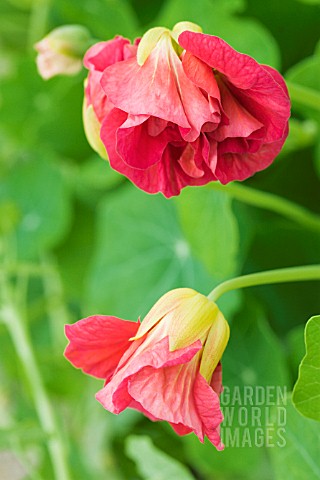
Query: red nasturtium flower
[
  {"x": 167, "y": 367},
  {"x": 183, "y": 108}
]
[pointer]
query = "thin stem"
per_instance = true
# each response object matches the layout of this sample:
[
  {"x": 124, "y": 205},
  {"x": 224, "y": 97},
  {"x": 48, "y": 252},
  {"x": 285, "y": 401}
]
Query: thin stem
[
  {"x": 304, "y": 96},
  {"x": 23, "y": 347},
  {"x": 57, "y": 311},
  {"x": 270, "y": 202},
  {"x": 282, "y": 275}
]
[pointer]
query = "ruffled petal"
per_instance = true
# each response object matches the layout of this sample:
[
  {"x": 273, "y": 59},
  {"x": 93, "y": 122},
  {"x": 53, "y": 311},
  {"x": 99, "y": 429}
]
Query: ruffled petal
[
  {"x": 180, "y": 429},
  {"x": 253, "y": 84},
  {"x": 137, "y": 147},
  {"x": 96, "y": 97},
  {"x": 216, "y": 379},
  {"x": 208, "y": 407},
  {"x": 167, "y": 393},
  {"x": 160, "y": 88},
  {"x": 97, "y": 343},
  {"x": 97, "y": 58},
  {"x": 152, "y": 87},
  {"x": 188, "y": 163},
  {"x": 103, "y": 54},
  {"x": 201, "y": 75},
  {"x": 241, "y": 122},
  {"x": 166, "y": 176},
  {"x": 236, "y": 166},
  {"x": 116, "y": 395}
]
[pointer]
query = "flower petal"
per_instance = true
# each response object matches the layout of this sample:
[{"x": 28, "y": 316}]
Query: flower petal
[
  {"x": 216, "y": 380},
  {"x": 167, "y": 393},
  {"x": 97, "y": 343},
  {"x": 253, "y": 84},
  {"x": 115, "y": 396},
  {"x": 208, "y": 407},
  {"x": 152, "y": 87},
  {"x": 236, "y": 166},
  {"x": 241, "y": 122},
  {"x": 166, "y": 176},
  {"x": 201, "y": 75},
  {"x": 98, "y": 57},
  {"x": 137, "y": 147},
  {"x": 103, "y": 54}
]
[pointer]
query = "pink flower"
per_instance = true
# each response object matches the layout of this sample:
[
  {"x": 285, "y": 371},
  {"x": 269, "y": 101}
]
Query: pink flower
[
  {"x": 167, "y": 367},
  {"x": 184, "y": 108}
]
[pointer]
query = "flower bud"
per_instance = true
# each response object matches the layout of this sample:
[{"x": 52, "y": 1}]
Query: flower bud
[{"x": 61, "y": 51}]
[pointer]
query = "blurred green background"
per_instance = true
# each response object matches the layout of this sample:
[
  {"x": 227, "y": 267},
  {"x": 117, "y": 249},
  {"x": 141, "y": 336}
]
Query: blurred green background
[{"x": 79, "y": 239}]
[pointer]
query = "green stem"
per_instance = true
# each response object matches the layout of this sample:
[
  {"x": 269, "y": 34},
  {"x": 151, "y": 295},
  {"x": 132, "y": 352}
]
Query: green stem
[
  {"x": 282, "y": 275},
  {"x": 23, "y": 347},
  {"x": 57, "y": 311},
  {"x": 304, "y": 96},
  {"x": 270, "y": 202}
]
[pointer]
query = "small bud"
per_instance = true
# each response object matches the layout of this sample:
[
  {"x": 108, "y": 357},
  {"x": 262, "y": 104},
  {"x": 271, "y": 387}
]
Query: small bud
[{"x": 61, "y": 51}]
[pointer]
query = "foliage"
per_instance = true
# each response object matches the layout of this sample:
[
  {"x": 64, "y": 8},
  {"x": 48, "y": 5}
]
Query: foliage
[
  {"x": 306, "y": 393},
  {"x": 76, "y": 239}
]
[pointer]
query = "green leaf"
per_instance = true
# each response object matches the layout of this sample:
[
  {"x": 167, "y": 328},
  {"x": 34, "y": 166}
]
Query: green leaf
[
  {"x": 104, "y": 18},
  {"x": 152, "y": 463},
  {"x": 306, "y": 392},
  {"x": 295, "y": 348},
  {"x": 36, "y": 189},
  {"x": 211, "y": 228},
  {"x": 140, "y": 254},
  {"x": 253, "y": 360},
  {"x": 95, "y": 176},
  {"x": 298, "y": 456},
  {"x": 220, "y": 18}
]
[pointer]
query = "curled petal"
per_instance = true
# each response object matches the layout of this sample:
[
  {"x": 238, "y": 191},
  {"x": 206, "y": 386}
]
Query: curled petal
[
  {"x": 168, "y": 395},
  {"x": 235, "y": 166},
  {"x": 152, "y": 87},
  {"x": 253, "y": 84},
  {"x": 208, "y": 407},
  {"x": 97, "y": 343},
  {"x": 241, "y": 122},
  {"x": 137, "y": 147},
  {"x": 166, "y": 176},
  {"x": 115, "y": 396},
  {"x": 103, "y": 54}
]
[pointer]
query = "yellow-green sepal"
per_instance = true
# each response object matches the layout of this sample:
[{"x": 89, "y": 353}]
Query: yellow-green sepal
[
  {"x": 92, "y": 130},
  {"x": 149, "y": 42},
  {"x": 215, "y": 345}
]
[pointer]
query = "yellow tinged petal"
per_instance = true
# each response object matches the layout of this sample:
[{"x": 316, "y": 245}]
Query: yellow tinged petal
[
  {"x": 148, "y": 43},
  {"x": 191, "y": 321},
  {"x": 215, "y": 345},
  {"x": 182, "y": 27},
  {"x": 92, "y": 130},
  {"x": 166, "y": 304}
]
